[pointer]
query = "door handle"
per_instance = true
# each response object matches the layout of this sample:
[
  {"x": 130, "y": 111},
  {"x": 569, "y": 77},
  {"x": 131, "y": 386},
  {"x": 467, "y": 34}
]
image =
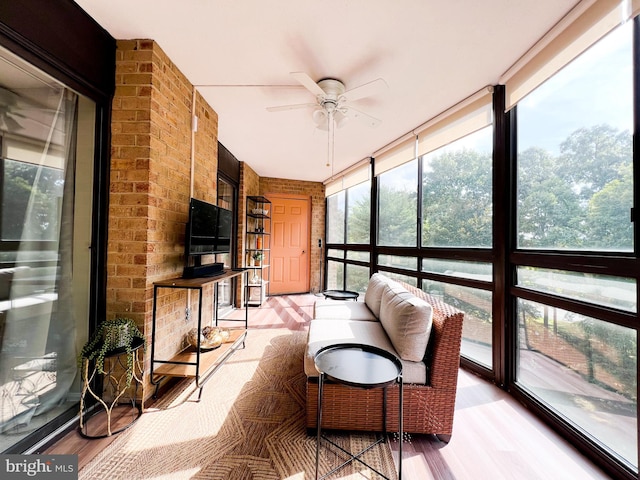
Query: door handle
[{"x": 304, "y": 251}]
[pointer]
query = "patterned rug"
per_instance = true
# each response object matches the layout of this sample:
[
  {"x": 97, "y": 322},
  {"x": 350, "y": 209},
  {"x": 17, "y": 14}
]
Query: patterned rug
[{"x": 248, "y": 425}]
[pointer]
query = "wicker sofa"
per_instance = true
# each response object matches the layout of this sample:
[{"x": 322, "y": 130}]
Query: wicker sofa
[{"x": 430, "y": 382}]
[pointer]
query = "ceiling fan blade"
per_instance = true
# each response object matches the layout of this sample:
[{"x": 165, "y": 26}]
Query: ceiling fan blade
[
  {"x": 306, "y": 81},
  {"x": 291, "y": 107},
  {"x": 362, "y": 117},
  {"x": 367, "y": 90}
]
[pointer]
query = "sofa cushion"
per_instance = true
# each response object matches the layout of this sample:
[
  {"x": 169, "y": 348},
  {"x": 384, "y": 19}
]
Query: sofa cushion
[
  {"x": 342, "y": 310},
  {"x": 323, "y": 332},
  {"x": 407, "y": 321},
  {"x": 375, "y": 288}
]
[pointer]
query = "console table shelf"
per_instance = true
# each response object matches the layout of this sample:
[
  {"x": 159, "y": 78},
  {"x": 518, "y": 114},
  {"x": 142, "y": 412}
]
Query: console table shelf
[
  {"x": 184, "y": 363},
  {"x": 192, "y": 362}
]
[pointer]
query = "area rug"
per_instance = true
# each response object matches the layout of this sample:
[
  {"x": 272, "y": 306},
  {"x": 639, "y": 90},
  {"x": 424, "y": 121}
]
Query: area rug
[{"x": 248, "y": 425}]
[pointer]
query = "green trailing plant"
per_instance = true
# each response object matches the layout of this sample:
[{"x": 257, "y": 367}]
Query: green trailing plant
[
  {"x": 118, "y": 333},
  {"x": 257, "y": 256}
]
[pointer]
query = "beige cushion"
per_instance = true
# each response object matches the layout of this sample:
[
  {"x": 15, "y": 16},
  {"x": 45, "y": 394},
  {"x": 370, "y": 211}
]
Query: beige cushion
[
  {"x": 330, "y": 332},
  {"x": 342, "y": 310},
  {"x": 407, "y": 320},
  {"x": 375, "y": 288}
]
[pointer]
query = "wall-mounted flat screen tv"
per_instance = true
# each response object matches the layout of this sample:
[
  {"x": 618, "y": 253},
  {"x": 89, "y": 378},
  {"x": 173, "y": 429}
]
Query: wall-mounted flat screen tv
[{"x": 208, "y": 230}]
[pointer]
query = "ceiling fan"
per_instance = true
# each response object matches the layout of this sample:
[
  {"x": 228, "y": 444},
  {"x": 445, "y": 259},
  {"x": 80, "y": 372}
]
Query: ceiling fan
[{"x": 333, "y": 104}]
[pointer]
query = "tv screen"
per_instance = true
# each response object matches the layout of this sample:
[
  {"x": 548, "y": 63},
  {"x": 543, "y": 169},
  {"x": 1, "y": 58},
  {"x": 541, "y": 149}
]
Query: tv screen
[{"x": 209, "y": 229}]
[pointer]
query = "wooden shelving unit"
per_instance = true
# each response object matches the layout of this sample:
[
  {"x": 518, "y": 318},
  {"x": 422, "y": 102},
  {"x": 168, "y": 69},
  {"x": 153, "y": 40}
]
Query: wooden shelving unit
[{"x": 196, "y": 362}]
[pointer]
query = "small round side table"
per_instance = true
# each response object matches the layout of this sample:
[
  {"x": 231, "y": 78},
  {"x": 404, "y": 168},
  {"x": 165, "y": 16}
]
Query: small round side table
[
  {"x": 360, "y": 366},
  {"x": 340, "y": 295},
  {"x": 116, "y": 407}
]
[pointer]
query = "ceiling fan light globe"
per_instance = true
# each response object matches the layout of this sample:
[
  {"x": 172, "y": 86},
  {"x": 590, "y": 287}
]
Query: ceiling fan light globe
[
  {"x": 319, "y": 117},
  {"x": 340, "y": 118}
]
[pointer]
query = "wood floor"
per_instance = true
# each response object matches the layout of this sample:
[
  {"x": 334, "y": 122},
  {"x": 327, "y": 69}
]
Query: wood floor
[{"x": 494, "y": 437}]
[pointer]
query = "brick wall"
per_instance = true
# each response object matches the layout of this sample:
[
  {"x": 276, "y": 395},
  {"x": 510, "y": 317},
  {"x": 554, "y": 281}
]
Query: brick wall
[
  {"x": 315, "y": 191},
  {"x": 151, "y": 185}
]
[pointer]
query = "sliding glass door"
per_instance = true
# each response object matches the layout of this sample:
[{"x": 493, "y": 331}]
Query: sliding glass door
[{"x": 46, "y": 172}]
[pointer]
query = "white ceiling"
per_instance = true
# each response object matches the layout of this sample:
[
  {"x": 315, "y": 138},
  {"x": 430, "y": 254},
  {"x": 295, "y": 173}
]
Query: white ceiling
[{"x": 239, "y": 54}]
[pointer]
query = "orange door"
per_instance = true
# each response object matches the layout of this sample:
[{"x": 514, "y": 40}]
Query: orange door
[{"x": 289, "y": 245}]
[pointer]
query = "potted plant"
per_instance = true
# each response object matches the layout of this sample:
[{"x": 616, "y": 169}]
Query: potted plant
[
  {"x": 257, "y": 258},
  {"x": 118, "y": 333}
]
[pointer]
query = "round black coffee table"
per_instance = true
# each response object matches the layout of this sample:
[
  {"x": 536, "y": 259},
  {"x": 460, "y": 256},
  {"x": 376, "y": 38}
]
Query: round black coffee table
[
  {"x": 361, "y": 366},
  {"x": 340, "y": 294}
]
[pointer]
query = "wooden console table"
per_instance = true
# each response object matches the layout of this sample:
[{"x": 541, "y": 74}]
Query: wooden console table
[{"x": 194, "y": 362}]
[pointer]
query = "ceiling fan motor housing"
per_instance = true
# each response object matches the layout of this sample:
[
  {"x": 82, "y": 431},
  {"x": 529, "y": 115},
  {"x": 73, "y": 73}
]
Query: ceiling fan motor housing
[{"x": 333, "y": 90}]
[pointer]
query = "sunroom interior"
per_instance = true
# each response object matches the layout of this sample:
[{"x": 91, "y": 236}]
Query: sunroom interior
[{"x": 512, "y": 201}]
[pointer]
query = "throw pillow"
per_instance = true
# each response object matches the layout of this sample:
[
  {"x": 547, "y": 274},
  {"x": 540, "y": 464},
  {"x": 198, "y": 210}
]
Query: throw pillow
[{"x": 407, "y": 320}]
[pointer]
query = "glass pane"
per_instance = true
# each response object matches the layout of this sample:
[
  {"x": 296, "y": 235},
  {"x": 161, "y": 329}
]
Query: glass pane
[
  {"x": 402, "y": 278},
  {"x": 335, "y": 275},
  {"x": 46, "y": 142},
  {"x": 357, "y": 278},
  {"x": 457, "y": 193},
  {"x": 455, "y": 268},
  {"x": 30, "y": 202},
  {"x": 584, "y": 369},
  {"x": 332, "y": 252},
  {"x": 602, "y": 290},
  {"x": 335, "y": 218},
  {"x": 410, "y": 263},
  {"x": 226, "y": 194},
  {"x": 359, "y": 213},
  {"x": 358, "y": 256},
  {"x": 575, "y": 176},
  {"x": 398, "y": 211},
  {"x": 477, "y": 326}
]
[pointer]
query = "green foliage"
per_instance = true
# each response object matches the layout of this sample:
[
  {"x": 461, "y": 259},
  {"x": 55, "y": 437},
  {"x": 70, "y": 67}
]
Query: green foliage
[
  {"x": 397, "y": 217},
  {"x": 580, "y": 199},
  {"x": 110, "y": 335},
  {"x": 457, "y": 200},
  {"x": 33, "y": 187}
]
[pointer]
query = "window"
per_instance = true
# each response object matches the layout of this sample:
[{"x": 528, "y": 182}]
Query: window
[
  {"x": 335, "y": 218},
  {"x": 359, "y": 213},
  {"x": 398, "y": 206},
  {"x": 348, "y": 223},
  {"x": 575, "y": 184},
  {"x": 584, "y": 369},
  {"x": 477, "y": 328},
  {"x": 574, "y": 194},
  {"x": 457, "y": 193}
]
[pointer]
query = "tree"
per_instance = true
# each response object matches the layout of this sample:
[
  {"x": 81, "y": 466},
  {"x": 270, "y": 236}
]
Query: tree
[
  {"x": 608, "y": 219},
  {"x": 397, "y": 217},
  {"x": 29, "y": 211},
  {"x": 457, "y": 200},
  {"x": 579, "y": 200},
  {"x": 591, "y": 157}
]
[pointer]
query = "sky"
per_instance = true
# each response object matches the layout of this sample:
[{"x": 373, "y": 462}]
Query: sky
[{"x": 596, "y": 88}]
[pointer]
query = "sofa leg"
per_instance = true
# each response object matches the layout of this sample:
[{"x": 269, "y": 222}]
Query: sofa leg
[{"x": 443, "y": 437}]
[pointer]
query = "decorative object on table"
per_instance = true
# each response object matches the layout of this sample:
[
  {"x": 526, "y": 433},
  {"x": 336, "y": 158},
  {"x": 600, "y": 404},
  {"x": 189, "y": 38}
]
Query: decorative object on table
[
  {"x": 259, "y": 211},
  {"x": 210, "y": 337},
  {"x": 257, "y": 258},
  {"x": 118, "y": 333}
]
